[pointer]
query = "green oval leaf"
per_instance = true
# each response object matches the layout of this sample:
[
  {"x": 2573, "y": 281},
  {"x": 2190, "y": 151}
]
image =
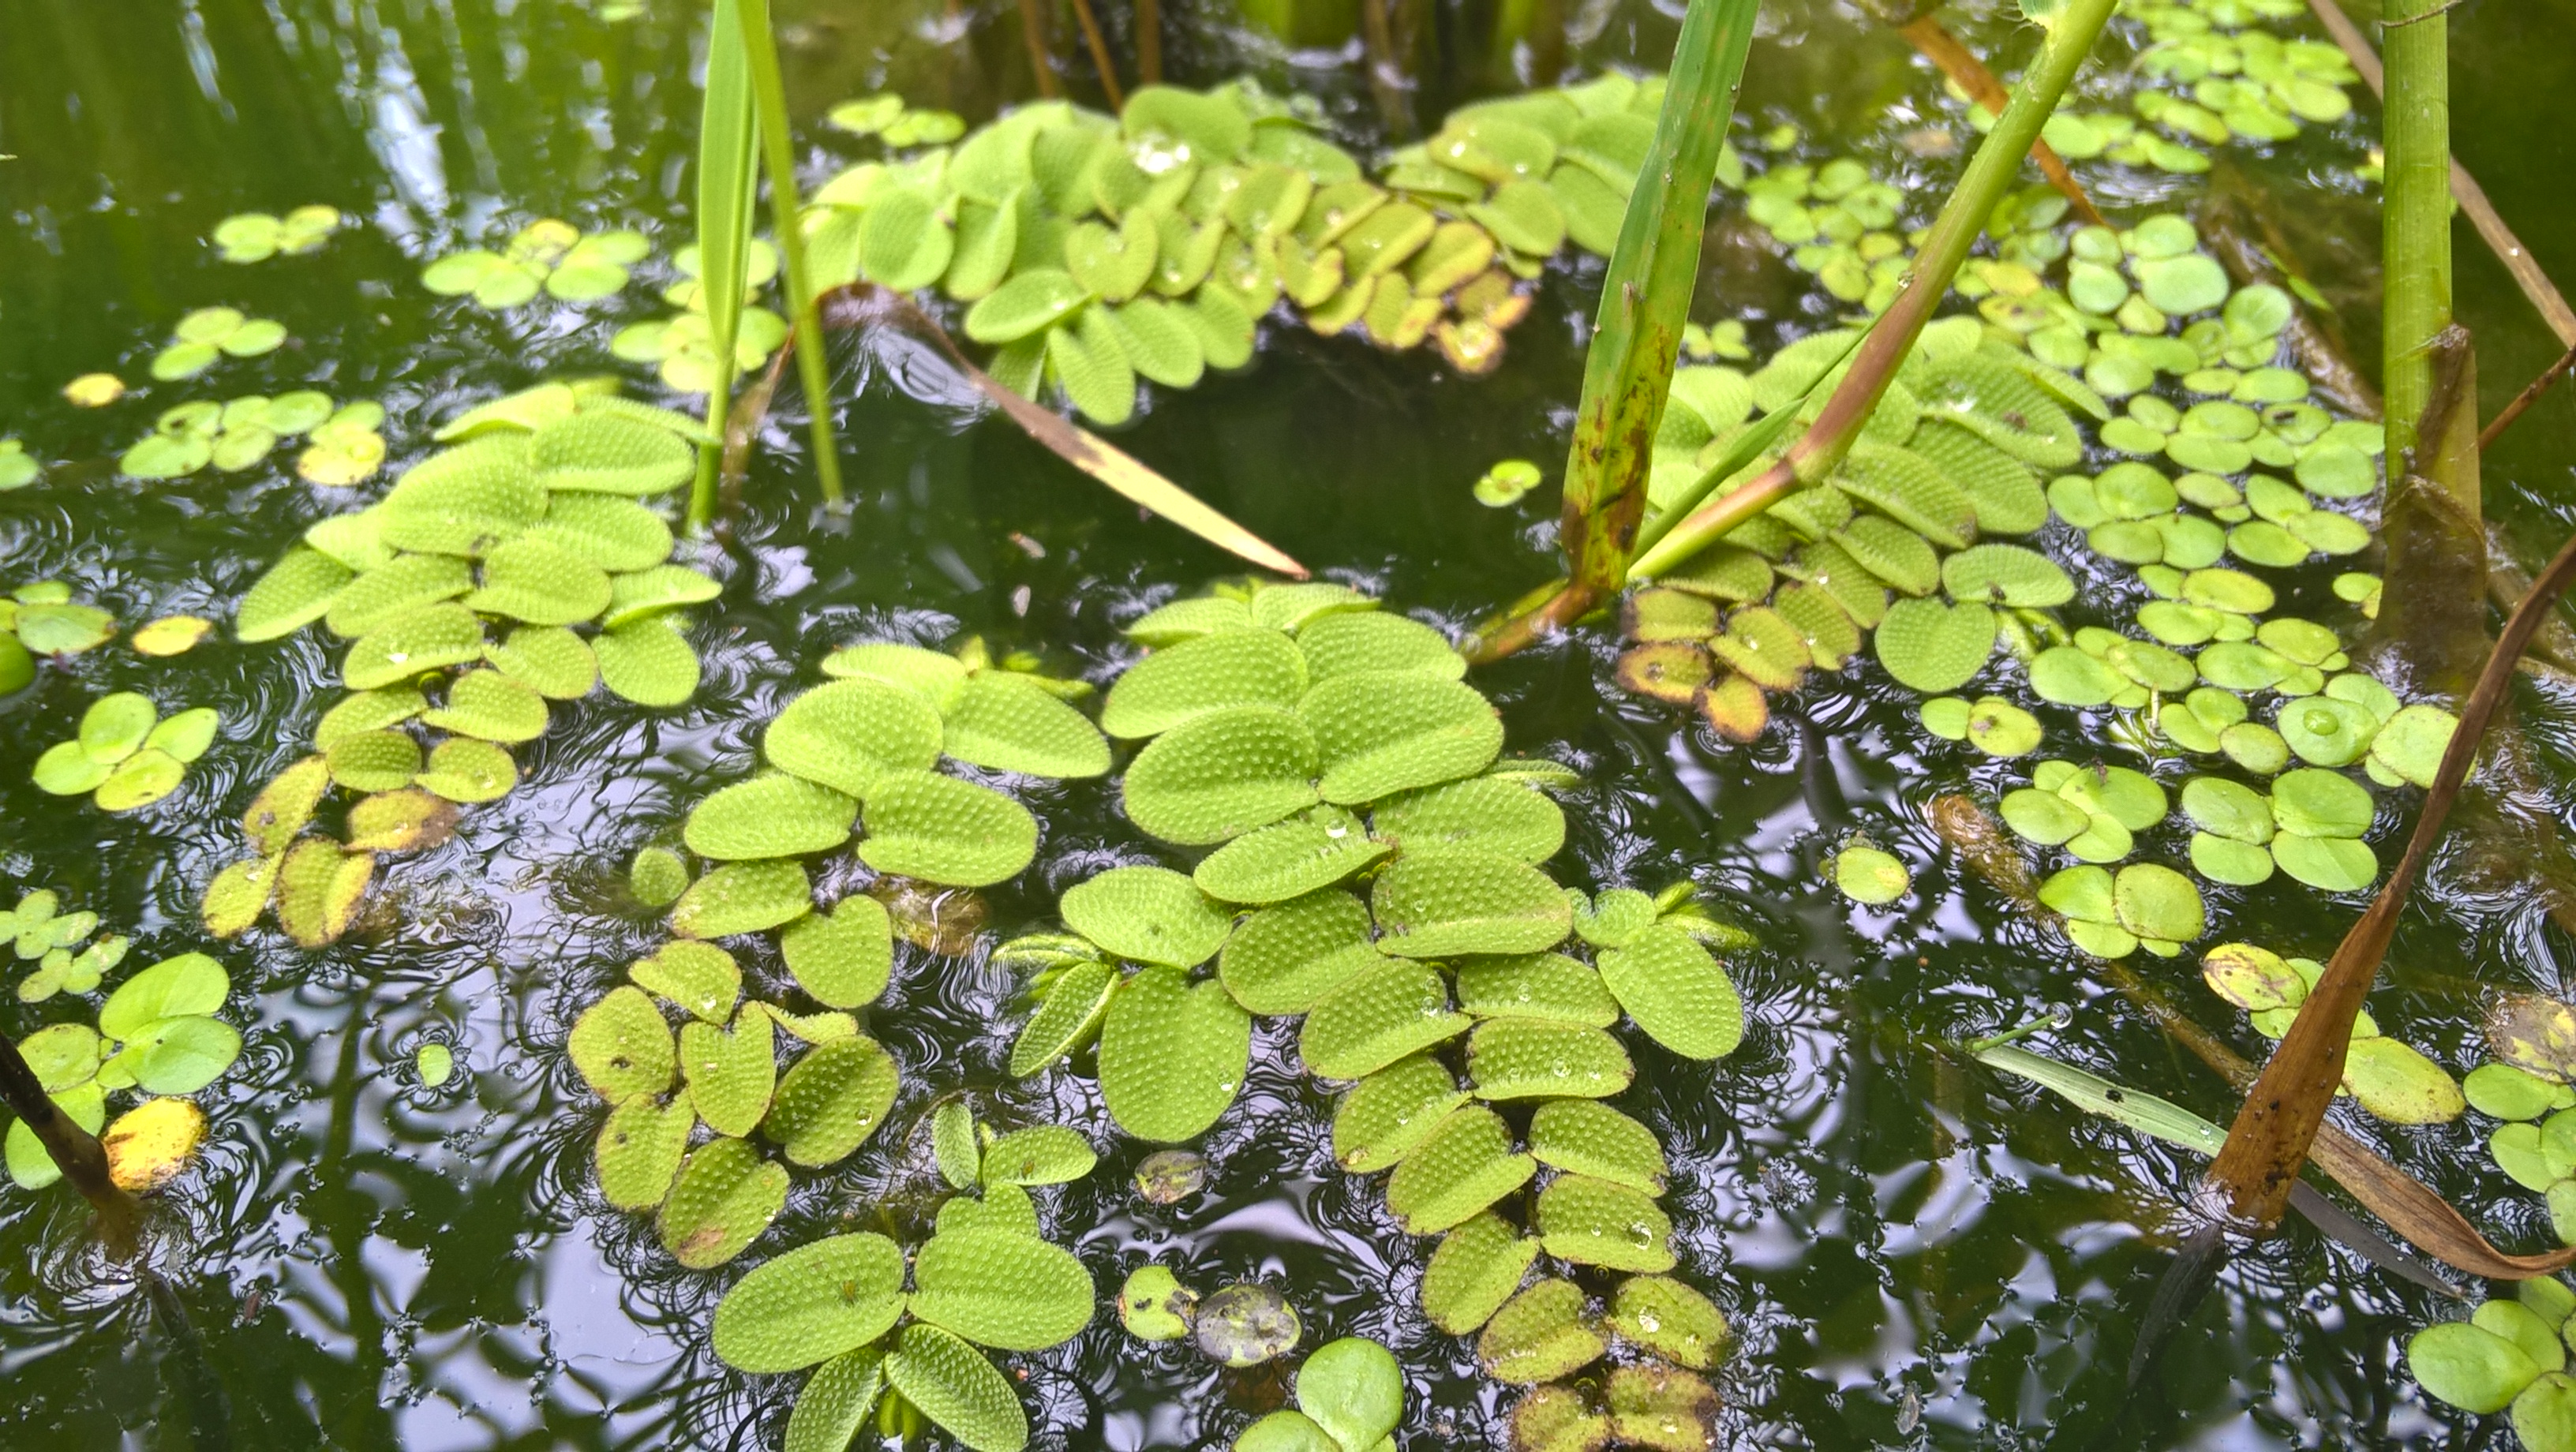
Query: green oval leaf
[
  {"x": 811, "y": 1304},
  {"x": 831, "y": 1100},
  {"x": 1001, "y": 1289},
  {"x": 1381, "y": 732},
  {"x": 725, "y": 1195},
  {"x": 1210, "y": 673},
  {"x": 1381, "y": 1014},
  {"x": 939, "y": 829},
  {"x": 847, "y": 734},
  {"x": 770, "y": 816},
  {"x": 1468, "y": 901},
  {"x": 1676, "y": 992},
  {"x": 1147, "y": 915},
  {"x": 1172, "y": 1054},
  {"x": 1221, "y": 775}
]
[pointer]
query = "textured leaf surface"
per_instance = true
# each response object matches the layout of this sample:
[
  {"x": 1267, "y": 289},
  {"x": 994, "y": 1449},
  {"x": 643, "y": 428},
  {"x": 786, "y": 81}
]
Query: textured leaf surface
[
  {"x": 396, "y": 587},
  {"x": 540, "y": 582},
  {"x": 489, "y": 706},
  {"x": 647, "y": 663},
  {"x": 1001, "y": 1289},
  {"x": 1147, "y": 915},
  {"x": 1596, "y": 1222},
  {"x": 1282, "y": 959},
  {"x": 1380, "y": 1015},
  {"x": 726, "y": 1194},
  {"x": 731, "y": 1073},
  {"x": 1073, "y": 1006},
  {"x": 639, "y": 1150},
  {"x": 1590, "y": 1138},
  {"x": 845, "y": 957},
  {"x": 957, "y": 1388},
  {"x": 770, "y": 816},
  {"x": 1473, "y": 1271},
  {"x": 1042, "y": 1154},
  {"x": 835, "y": 1402},
  {"x": 1353, "y": 1389},
  {"x": 1384, "y": 1116},
  {"x": 1522, "y": 1058},
  {"x": 1676, "y": 992},
  {"x": 1669, "y": 1319},
  {"x": 1467, "y": 1164},
  {"x": 743, "y": 897},
  {"x": 1536, "y": 985},
  {"x": 831, "y": 1100},
  {"x": 939, "y": 829},
  {"x": 1222, "y": 775},
  {"x": 811, "y": 1304},
  {"x": 700, "y": 977},
  {"x": 1209, "y": 673},
  {"x": 425, "y": 639},
  {"x": 847, "y": 734},
  {"x": 1172, "y": 1055},
  {"x": 1540, "y": 1335},
  {"x": 1382, "y": 732},
  {"x": 1484, "y": 812},
  {"x": 549, "y": 660},
  {"x": 934, "y": 677},
  {"x": 1007, "y": 723},
  {"x": 1468, "y": 901},
  {"x": 1314, "y": 849},
  {"x": 1341, "y": 643},
  {"x": 298, "y": 590},
  {"x": 607, "y": 453}
]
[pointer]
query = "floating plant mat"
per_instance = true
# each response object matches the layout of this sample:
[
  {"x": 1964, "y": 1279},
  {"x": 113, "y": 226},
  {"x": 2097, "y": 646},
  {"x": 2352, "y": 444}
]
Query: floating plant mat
[{"x": 1363, "y": 863}]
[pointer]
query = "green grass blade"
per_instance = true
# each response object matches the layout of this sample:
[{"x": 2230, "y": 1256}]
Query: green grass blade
[
  {"x": 1646, "y": 297},
  {"x": 1757, "y": 441},
  {"x": 778, "y": 148},
  {"x": 725, "y": 181},
  {"x": 2156, "y": 1118}
]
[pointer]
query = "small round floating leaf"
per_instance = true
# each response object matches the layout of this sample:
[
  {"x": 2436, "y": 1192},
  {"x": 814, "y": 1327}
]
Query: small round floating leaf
[
  {"x": 2400, "y": 1085},
  {"x": 1147, "y": 915},
  {"x": 1617, "y": 915},
  {"x": 725, "y": 1195},
  {"x": 647, "y": 663},
  {"x": 2154, "y": 902},
  {"x": 1222, "y": 774},
  {"x": 1522, "y": 1058},
  {"x": 1483, "y": 812},
  {"x": 1676, "y": 992},
  {"x": 846, "y": 734},
  {"x": 939, "y": 829},
  {"x": 1466, "y": 1164},
  {"x": 1933, "y": 647},
  {"x": 933, "y": 676},
  {"x": 602, "y": 531},
  {"x": 464, "y": 770},
  {"x": 549, "y": 660},
  {"x": 1382, "y": 732},
  {"x": 114, "y": 726},
  {"x": 149, "y": 1145},
  {"x": 1383, "y": 1117},
  {"x": 1191, "y": 618},
  {"x": 533, "y": 580},
  {"x": 67, "y": 771},
  {"x": 811, "y": 1304},
  {"x": 1032, "y": 301},
  {"x": 1172, "y": 1054},
  {"x": 140, "y": 780},
  {"x": 1001, "y": 1289},
  {"x": 641, "y": 594},
  {"x": 2411, "y": 743},
  {"x": 239, "y": 894},
  {"x": 191, "y": 983},
  {"x": 1468, "y": 901},
  {"x": 1596, "y": 1222},
  {"x": 1353, "y": 1389},
  {"x": 58, "y": 627},
  {"x": 1154, "y": 1306},
  {"x": 489, "y": 706},
  {"x": 831, "y": 1100},
  {"x": 184, "y": 736},
  {"x": 2507, "y": 1092},
  {"x": 770, "y": 816},
  {"x": 622, "y": 1046},
  {"x": 425, "y": 639},
  {"x": 1997, "y": 727},
  {"x": 2329, "y": 864},
  {"x": 2469, "y": 1367},
  {"x": 2327, "y": 732},
  {"x": 743, "y": 897},
  {"x": 1314, "y": 849},
  {"x": 639, "y": 1150},
  {"x": 1379, "y": 1015},
  {"x": 731, "y": 1073},
  {"x": 1669, "y": 1319},
  {"x": 405, "y": 820},
  {"x": 2068, "y": 676},
  {"x": 1195, "y": 677},
  {"x": 1540, "y": 1335},
  {"x": 1871, "y": 876},
  {"x": 2311, "y": 802},
  {"x": 1245, "y": 1325},
  {"x": 1072, "y": 1008},
  {"x": 318, "y": 888},
  {"x": 374, "y": 761},
  {"x": 1006, "y": 723},
  {"x": 657, "y": 876}
]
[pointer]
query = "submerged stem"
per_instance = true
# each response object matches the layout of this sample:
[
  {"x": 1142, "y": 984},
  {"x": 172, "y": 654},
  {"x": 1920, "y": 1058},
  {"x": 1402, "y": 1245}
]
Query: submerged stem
[
  {"x": 74, "y": 1150},
  {"x": 2416, "y": 224}
]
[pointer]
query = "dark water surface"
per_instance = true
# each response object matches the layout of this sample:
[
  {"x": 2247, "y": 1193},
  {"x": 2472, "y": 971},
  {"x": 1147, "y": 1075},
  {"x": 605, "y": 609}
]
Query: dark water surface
[{"x": 1913, "y": 1253}]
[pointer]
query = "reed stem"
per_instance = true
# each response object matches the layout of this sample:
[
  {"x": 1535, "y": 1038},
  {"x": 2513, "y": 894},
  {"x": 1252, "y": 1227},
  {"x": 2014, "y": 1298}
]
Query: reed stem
[
  {"x": 2416, "y": 221},
  {"x": 769, "y": 92}
]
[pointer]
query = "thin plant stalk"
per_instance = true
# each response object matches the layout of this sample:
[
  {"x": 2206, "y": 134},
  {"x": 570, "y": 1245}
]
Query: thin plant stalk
[
  {"x": 74, "y": 1150},
  {"x": 1099, "y": 54},
  {"x": 2517, "y": 259},
  {"x": 1149, "y": 42},
  {"x": 1645, "y": 302},
  {"x": 1033, "y": 32},
  {"x": 1960, "y": 64},
  {"x": 1990, "y": 174},
  {"x": 2416, "y": 214},
  {"x": 726, "y": 176},
  {"x": 769, "y": 93}
]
